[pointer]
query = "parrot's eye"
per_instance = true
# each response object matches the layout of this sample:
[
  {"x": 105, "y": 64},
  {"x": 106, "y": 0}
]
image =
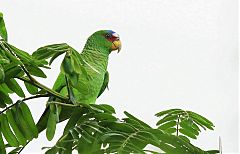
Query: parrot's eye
[{"x": 108, "y": 35}]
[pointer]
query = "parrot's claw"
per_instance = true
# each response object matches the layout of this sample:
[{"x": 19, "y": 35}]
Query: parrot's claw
[{"x": 72, "y": 100}]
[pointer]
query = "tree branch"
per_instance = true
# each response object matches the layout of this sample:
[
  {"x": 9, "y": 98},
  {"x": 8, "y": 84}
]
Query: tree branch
[
  {"x": 41, "y": 86},
  {"x": 36, "y": 96},
  {"x": 8, "y": 108},
  {"x": 63, "y": 104},
  {"x": 178, "y": 120},
  {"x": 25, "y": 99}
]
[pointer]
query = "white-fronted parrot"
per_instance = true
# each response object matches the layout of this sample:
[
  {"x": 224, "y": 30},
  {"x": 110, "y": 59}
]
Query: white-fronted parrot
[{"x": 85, "y": 86}]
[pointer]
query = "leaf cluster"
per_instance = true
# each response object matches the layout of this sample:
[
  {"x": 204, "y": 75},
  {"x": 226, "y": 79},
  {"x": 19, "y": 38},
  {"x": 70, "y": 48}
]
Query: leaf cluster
[
  {"x": 17, "y": 126},
  {"x": 186, "y": 124},
  {"x": 95, "y": 129}
]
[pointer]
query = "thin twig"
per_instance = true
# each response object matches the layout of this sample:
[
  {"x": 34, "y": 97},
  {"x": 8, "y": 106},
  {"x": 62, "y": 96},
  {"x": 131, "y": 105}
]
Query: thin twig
[
  {"x": 151, "y": 151},
  {"x": 63, "y": 104},
  {"x": 41, "y": 86},
  {"x": 25, "y": 99},
  {"x": 28, "y": 74},
  {"x": 22, "y": 148},
  {"x": 8, "y": 108},
  {"x": 68, "y": 88},
  {"x": 36, "y": 96},
  {"x": 178, "y": 120}
]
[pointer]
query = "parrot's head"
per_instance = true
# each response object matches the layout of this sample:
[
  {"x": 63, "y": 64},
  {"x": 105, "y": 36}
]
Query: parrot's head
[{"x": 104, "y": 41}]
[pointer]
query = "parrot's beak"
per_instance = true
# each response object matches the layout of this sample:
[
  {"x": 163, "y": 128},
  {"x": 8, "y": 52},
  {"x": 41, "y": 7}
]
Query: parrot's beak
[{"x": 116, "y": 44}]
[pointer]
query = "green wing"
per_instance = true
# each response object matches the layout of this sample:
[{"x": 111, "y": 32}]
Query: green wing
[
  {"x": 105, "y": 83},
  {"x": 58, "y": 85}
]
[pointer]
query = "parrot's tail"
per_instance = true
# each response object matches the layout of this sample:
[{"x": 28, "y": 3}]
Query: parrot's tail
[
  {"x": 42, "y": 122},
  {"x": 64, "y": 114}
]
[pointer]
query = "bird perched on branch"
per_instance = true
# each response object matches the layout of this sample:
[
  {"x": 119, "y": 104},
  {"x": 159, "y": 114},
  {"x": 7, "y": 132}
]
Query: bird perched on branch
[{"x": 83, "y": 76}]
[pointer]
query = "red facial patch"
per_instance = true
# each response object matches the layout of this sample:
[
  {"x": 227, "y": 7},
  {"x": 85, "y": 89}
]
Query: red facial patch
[{"x": 111, "y": 38}]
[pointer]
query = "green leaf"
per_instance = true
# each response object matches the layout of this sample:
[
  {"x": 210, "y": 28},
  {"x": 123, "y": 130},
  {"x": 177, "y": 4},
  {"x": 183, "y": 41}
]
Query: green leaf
[
  {"x": 31, "y": 88},
  {"x": 170, "y": 130},
  {"x": 187, "y": 125},
  {"x": 7, "y": 132},
  {"x": 51, "y": 124},
  {"x": 167, "y": 118},
  {"x": 180, "y": 146},
  {"x": 67, "y": 143},
  {"x": 42, "y": 91},
  {"x": 53, "y": 150},
  {"x": 50, "y": 51},
  {"x": 22, "y": 140},
  {"x": 4, "y": 88},
  {"x": 83, "y": 146},
  {"x": 55, "y": 56},
  {"x": 2, "y": 145},
  {"x": 4, "y": 60},
  {"x": 134, "y": 123},
  {"x": 8, "y": 54},
  {"x": 2, "y": 104},
  {"x": 36, "y": 71},
  {"x": 43, "y": 53},
  {"x": 122, "y": 127},
  {"x": 22, "y": 55},
  {"x": 15, "y": 71},
  {"x": 84, "y": 134},
  {"x": 213, "y": 151},
  {"x": 105, "y": 117},
  {"x": 66, "y": 65},
  {"x": 74, "y": 134},
  {"x": 189, "y": 134},
  {"x": 167, "y": 125},
  {"x": 105, "y": 107},
  {"x": 15, "y": 151},
  {"x": 5, "y": 98},
  {"x": 2, "y": 74},
  {"x": 29, "y": 119},
  {"x": 136, "y": 119},
  {"x": 184, "y": 138},
  {"x": 159, "y": 114},
  {"x": 22, "y": 124},
  {"x": 3, "y": 30},
  {"x": 14, "y": 86},
  {"x": 202, "y": 120},
  {"x": 77, "y": 113}
]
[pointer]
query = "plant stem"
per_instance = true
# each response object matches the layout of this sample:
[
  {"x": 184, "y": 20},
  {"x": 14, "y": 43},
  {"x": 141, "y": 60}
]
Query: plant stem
[
  {"x": 151, "y": 151},
  {"x": 8, "y": 108},
  {"x": 177, "y": 131},
  {"x": 63, "y": 104},
  {"x": 25, "y": 99},
  {"x": 41, "y": 86},
  {"x": 36, "y": 96},
  {"x": 68, "y": 88}
]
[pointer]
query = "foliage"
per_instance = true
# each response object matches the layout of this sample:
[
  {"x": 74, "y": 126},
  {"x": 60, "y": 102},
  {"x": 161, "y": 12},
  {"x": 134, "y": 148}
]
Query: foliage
[
  {"x": 91, "y": 128},
  {"x": 185, "y": 123}
]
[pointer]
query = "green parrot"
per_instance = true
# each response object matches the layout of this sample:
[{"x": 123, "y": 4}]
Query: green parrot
[{"x": 85, "y": 88}]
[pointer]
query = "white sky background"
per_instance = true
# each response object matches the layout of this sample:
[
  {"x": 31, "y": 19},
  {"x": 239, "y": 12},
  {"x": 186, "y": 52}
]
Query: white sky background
[{"x": 176, "y": 54}]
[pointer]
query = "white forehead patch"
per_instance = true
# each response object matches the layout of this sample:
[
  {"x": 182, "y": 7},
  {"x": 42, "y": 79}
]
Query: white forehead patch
[{"x": 115, "y": 35}]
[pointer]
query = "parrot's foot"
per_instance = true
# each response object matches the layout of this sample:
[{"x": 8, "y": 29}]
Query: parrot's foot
[{"x": 72, "y": 99}]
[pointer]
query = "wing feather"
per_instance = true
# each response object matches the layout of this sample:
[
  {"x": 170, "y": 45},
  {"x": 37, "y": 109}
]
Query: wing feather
[{"x": 105, "y": 83}]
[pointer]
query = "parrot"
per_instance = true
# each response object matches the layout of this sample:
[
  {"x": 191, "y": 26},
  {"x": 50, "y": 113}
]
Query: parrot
[{"x": 86, "y": 88}]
